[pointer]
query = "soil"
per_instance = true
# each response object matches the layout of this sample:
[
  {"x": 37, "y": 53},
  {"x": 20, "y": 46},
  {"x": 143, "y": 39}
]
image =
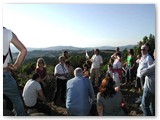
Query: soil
[{"x": 129, "y": 93}]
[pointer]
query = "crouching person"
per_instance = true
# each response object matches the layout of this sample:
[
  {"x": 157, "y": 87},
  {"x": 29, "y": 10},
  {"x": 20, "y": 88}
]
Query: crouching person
[
  {"x": 33, "y": 95},
  {"x": 80, "y": 94}
]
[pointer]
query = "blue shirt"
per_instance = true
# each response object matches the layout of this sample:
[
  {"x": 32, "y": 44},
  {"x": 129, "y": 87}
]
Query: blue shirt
[{"x": 79, "y": 96}]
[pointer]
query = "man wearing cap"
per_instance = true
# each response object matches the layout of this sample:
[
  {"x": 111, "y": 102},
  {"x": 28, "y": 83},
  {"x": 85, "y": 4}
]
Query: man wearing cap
[{"x": 145, "y": 61}]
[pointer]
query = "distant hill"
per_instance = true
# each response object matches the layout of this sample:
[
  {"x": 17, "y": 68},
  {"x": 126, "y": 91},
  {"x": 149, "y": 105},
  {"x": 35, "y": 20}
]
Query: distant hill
[{"x": 58, "y": 48}]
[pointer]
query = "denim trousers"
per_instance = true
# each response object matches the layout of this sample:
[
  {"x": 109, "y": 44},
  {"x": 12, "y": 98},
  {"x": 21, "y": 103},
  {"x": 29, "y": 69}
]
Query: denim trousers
[
  {"x": 148, "y": 103},
  {"x": 10, "y": 89}
]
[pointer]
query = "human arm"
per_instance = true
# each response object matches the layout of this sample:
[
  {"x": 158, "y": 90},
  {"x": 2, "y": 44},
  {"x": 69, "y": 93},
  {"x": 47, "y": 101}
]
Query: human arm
[
  {"x": 22, "y": 54},
  {"x": 148, "y": 71},
  {"x": 41, "y": 96},
  {"x": 99, "y": 105},
  {"x": 100, "y": 110}
]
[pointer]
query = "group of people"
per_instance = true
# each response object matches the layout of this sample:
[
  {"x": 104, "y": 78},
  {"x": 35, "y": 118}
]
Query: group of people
[{"x": 74, "y": 87}]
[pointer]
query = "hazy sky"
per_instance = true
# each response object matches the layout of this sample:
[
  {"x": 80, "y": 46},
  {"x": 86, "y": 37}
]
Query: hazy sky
[{"x": 80, "y": 25}]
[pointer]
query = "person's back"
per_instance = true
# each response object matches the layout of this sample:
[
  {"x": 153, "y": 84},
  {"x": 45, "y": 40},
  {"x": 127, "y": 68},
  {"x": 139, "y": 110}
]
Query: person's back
[
  {"x": 112, "y": 105},
  {"x": 30, "y": 92},
  {"x": 108, "y": 99},
  {"x": 79, "y": 95}
]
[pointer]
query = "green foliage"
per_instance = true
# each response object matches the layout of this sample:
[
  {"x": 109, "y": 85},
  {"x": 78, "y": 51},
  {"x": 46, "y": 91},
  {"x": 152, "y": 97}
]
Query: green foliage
[
  {"x": 77, "y": 59},
  {"x": 104, "y": 68}
]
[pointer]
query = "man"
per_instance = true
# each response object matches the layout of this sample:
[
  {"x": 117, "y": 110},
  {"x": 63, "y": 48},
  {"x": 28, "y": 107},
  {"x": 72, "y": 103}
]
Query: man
[
  {"x": 10, "y": 88},
  {"x": 148, "y": 98},
  {"x": 97, "y": 63},
  {"x": 80, "y": 94},
  {"x": 33, "y": 95},
  {"x": 61, "y": 73},
  {"x": 145, "y": 61}
]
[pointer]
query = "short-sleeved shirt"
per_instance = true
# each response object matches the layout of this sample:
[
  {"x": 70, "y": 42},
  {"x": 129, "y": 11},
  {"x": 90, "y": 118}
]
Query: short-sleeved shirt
[
  {"x": 7, "y": 37},
  {"x": 30, "y": 92},
  {"x": 96, "y": 61},
  {"x": 111, "y": 105},
  {"x": 61, "y": 69}
]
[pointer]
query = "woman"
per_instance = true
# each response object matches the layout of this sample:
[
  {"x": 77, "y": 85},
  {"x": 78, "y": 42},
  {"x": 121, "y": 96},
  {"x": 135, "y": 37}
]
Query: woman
[
  {"x": 130, "y": 66},
  {"x": 108, "y": 100},
  {"x": 41, "y": 69}
]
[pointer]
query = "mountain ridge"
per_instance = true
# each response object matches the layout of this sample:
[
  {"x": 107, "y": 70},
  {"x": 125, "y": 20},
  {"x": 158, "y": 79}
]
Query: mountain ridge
[{"x": 58, "y": 48}]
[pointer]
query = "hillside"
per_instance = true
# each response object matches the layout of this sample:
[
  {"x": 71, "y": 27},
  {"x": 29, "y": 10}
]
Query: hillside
[
  {"x": 57, "y": 50},
  {"x": 61, "y": 48}
]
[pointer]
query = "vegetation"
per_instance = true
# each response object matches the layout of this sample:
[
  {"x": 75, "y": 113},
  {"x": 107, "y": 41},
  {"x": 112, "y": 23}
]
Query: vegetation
[{"x": 77, "y": 59}]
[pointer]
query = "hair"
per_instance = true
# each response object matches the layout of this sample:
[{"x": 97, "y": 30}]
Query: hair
[
  {"x": 61, "y": 57},
  {"x": 131, "y": 51},
  {"x": 98, "y": 51},
  {"x": 35, "y": 76},
  {"x": 67, "y": 62},
  {"x": 40, "y": 60},
  {"x": 86, "y": 65},
  {"x": 107, "y": 87},
  {"x": 117, "y": 48},
  {"x": 78, "y": 72}
]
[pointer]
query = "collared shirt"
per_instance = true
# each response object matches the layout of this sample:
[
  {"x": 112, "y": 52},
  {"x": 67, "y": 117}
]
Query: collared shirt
[
  {"x": 79, "y": 96},
  {"x": 144, "y": 62},
  {"x": 61, "y": 69}
]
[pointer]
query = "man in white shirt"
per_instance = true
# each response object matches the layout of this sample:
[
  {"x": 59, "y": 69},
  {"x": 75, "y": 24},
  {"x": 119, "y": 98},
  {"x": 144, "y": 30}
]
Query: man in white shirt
[
  {"x": 145, "y": 61},
  {"x": 33, "y": 95},
  {"x": 61, "y": 73},
  {"x": 97, "y": 62}
]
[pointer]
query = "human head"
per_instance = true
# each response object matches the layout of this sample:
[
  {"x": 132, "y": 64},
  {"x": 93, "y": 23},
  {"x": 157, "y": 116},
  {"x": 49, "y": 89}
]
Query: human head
[
  {"x": 144, "y": 49},
  {"x": 35, "y": 76},
  {"x": 85, "y": 66},
  {"x": 130, "y": 51},
  {"x": 65, "y": 54},
  {"x": 67, "y": 62},
  {"x": 78, "y": 72},
  {"x": 40, "y": 61},
  {"x": 96, "y": 51},
  {"x": 117, "y": 49},
  {"x": 61, "y": 59},
  {"x": 107, "y": 87}
]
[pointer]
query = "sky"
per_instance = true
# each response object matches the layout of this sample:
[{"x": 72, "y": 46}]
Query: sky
[
  {"x": 43, "y": 25},
  {"x": 115, "y": 26}
]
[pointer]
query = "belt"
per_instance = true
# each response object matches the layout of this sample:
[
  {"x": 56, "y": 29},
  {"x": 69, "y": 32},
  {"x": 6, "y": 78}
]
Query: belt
[{"x": 6, "y": 70}]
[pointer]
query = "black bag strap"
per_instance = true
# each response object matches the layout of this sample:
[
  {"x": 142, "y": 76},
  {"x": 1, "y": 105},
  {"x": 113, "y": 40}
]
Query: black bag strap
[
  {"x": 5, "y": 56},
  {"x": 10, "y": 53}
]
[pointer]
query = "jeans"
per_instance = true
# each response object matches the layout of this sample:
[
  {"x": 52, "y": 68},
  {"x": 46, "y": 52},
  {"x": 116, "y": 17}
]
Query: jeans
[
  {"x": 10, "y": 90},
  {"x": 148, "y": 103}
]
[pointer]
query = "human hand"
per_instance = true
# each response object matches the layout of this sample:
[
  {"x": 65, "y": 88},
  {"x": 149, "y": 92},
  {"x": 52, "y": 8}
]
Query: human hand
[{"x": 12, "y": 67}]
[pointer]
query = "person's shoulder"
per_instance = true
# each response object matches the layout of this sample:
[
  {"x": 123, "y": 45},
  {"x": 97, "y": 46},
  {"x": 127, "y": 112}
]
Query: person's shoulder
[{"x": 57, "y": 65}]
